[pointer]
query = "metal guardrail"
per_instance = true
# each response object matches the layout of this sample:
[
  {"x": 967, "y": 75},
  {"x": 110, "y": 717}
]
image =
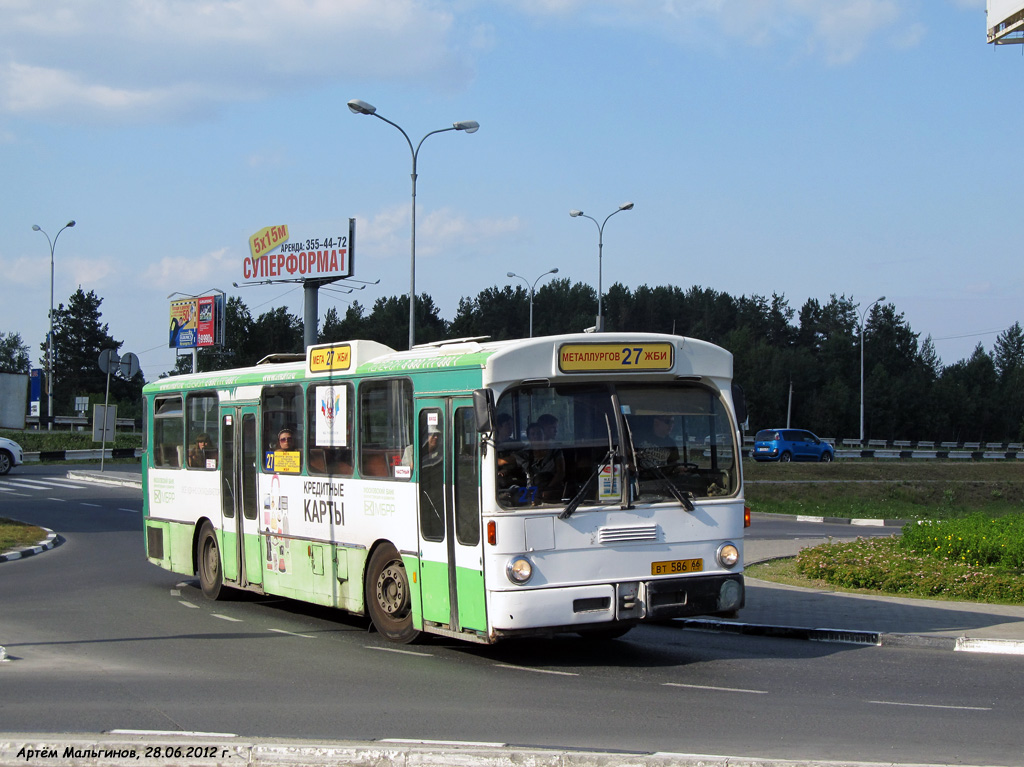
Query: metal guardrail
[
  {"x": 80, "y": 420},
  {"x": 88, "y": 454}
]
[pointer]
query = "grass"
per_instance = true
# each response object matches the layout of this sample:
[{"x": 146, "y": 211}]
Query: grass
[
  {"x": 964, "y": 538},
  {"x": 909, "y": 490},
  {"x": 14, "y": 534}
]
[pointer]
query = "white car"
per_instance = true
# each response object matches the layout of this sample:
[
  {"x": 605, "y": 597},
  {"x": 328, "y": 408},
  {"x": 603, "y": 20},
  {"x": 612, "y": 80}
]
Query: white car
[{"x": 11, "y": 455}]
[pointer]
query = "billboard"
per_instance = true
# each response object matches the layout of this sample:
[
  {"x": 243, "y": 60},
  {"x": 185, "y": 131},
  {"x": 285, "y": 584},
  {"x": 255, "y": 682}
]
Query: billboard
[
  {"x": 273, "y": 255},
  {"x": 1005, "y": 21},
  {"x": 197, "y": 321}
]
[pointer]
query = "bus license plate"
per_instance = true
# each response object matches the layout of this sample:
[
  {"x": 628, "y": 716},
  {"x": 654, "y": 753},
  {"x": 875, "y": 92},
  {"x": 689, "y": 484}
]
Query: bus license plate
[{"x": 677, "y": 566}]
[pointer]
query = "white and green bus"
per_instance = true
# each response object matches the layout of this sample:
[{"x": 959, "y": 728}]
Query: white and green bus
[{"x": 473, "y": 489}]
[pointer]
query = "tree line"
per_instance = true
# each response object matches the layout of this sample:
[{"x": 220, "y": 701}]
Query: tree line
[{"x": 802, "y": 365}]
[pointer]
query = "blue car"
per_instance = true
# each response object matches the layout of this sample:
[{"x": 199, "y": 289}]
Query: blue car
[{"x": 790, "y": 445}]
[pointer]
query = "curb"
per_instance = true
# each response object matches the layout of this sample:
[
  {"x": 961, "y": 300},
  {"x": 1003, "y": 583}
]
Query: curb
[
  {"x": 125, "y": 747},
  {"x": 850, "y": 636},
  {"x": 51, "y": 540},
  {"x": 856, "y": 522},
  {"x": 98, "y": 478}
]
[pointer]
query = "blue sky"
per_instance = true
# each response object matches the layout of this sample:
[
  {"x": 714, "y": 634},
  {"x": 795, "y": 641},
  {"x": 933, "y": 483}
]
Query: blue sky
[{"x": 799, "y": 147}]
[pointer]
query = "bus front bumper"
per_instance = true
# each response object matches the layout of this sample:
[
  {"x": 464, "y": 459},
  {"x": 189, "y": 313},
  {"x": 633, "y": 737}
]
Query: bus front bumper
[{"x": 631, "y": 601}]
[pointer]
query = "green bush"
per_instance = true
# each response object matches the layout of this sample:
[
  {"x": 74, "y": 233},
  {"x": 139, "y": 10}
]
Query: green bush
[
  {"x": 975, "y": 539},
  {"x": 891, "y": 566},
  {"x": 35, "y": 441}
]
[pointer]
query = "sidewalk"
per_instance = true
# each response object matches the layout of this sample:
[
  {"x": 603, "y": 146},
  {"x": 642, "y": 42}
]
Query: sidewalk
[{"x": 786, "y": 611}]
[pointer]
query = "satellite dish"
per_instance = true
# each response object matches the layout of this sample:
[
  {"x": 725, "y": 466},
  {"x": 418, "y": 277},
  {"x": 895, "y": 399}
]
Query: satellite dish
[
  {"x": 129, "y": 365},
  {"x": 108, "y": 360}
]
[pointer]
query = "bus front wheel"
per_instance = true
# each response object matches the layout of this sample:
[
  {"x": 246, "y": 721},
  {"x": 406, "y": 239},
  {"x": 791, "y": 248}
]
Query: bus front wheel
[
  {"x": 208, "y": 563},
  {"x": 388, "y": 598}
]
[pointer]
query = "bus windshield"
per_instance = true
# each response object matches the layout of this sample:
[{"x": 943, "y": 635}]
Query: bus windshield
[{"x": 558, "y": 445}]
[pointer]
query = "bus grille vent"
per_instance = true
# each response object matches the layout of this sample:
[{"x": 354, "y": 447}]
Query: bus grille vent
[{"x": 627, "y": 534}]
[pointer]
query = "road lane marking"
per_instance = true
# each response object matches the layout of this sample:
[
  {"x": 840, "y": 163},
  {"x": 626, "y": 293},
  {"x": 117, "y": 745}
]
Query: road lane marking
[
  {"x": 292, "y": 633},
  {"x": 58, "y": 500},
  {"x": 93, "y": 505},
  {"x": 711, "y": 687},
  {"x": 420, "y": 742},
  {"x": 535, "y": 670},
  {"x": 131, "y": 511},
  {"x": 930, "y": 705},
  {"x": 226, "y": 618},
  {"x": 187, "y": 604},
  {"x": 400, "y": 652},
  {"x": 182, "y": 733}
]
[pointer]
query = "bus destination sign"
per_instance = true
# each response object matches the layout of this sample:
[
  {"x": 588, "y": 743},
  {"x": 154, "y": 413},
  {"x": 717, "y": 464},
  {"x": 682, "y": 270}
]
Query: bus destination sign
[
  {"x": 327, "y": 359},
  {"x": 615, "y": 358}
]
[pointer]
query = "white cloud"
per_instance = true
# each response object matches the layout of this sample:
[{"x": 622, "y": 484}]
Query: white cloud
[
  {"x": 189, "y": 273},
  {"x": 146, "y": 59},
  {"x": 835, "y": 30},
  {"x": 386, "y": 235}
]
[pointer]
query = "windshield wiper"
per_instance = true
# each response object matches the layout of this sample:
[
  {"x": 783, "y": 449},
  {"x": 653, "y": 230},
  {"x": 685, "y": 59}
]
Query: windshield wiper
[
  {"x": 609, "y": 459},
  {"x": 577, "y": 499},
  {"x": 684, "y": 497}
]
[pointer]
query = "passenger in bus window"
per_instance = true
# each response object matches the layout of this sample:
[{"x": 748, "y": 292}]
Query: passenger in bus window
[
  {"x": 200, "y": 451},
  {"x": 549, "y": 424},
  {"x": 286, "y": 440},
  {"x": 430, "y": 453}
]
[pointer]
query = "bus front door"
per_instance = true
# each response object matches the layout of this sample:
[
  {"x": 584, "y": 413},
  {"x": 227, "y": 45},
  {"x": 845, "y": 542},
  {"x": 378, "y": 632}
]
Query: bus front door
[
  {"x": 448, "y": 492},
  {"x": 241, "y": 550}
]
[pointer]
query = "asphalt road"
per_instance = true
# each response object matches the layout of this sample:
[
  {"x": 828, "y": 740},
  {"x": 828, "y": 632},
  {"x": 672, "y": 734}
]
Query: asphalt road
[{"x": 101, "y": 640}]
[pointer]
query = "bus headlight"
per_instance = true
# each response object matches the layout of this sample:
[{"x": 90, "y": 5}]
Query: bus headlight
[
  {"x": 519, "y": 570},
  {"x": 728, "y": 555}
]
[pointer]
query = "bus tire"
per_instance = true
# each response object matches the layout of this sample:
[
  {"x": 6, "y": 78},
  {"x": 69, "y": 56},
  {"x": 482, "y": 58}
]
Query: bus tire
[
  {"x": 211, "y": 576},
  {"x": 388, "y": 597}
]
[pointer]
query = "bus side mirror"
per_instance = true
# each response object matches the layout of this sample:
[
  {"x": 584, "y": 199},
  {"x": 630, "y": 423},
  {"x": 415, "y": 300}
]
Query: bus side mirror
[{"x": 483, "y": 407}]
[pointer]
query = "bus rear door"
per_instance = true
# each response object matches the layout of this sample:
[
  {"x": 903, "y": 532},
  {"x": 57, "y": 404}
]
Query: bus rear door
[{"x": 242, "y": 549}]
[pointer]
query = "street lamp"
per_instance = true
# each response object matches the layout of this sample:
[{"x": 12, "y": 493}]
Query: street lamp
[
  {"x": 863, "y": 317},
  {"x": 359, "y": 107},
  {"x": 599, "y": 326},
  {"x": 49, "y": 338},
  {"x": 532, "y": 290}
]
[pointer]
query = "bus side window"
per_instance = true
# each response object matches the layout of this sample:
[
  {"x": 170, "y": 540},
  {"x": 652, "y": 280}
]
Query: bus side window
[
  {"x": 203, "y": 430},
  {"x": 385, "y": 427},
  {"x": 283, "y": 420},
  {"x": 168, "y": 432}
]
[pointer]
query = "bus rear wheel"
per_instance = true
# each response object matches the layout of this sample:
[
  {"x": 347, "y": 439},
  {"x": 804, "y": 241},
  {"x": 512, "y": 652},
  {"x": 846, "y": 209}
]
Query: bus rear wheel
[
  {"x": 388, "y": 597},
  {"x": 211, "y": 577}
]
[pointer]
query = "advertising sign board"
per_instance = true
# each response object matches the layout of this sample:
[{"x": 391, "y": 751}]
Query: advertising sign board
[
  {"x": 197, "y": 321},
  {"x": 274, "y": 255},
  {"x": 1003, "y": 18}
]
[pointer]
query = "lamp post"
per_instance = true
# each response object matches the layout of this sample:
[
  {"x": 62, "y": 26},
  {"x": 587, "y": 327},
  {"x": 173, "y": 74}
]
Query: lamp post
[
  {"x": 49, "y": 337},
  {"x": 599, "y": 325},
  {"x": 863, "y": 317},
  {"x": 533, "y": 289},
  {"x": 359, "y": 107}
]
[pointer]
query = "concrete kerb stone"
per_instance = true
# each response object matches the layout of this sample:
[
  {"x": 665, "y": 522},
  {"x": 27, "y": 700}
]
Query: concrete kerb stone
[
  {"x": 105, "y": 479},
  {"x": 128, "y": 747},
  {"x": 51, "y": 540}
]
